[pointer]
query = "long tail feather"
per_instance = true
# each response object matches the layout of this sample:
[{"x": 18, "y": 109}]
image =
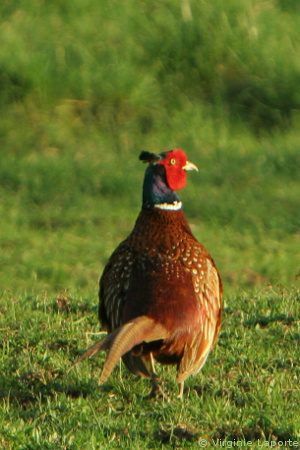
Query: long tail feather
[
  {"x": 141, "y": 329},
  {"x": 122, "y": 340},
  {"x": 101, "y": 345}
]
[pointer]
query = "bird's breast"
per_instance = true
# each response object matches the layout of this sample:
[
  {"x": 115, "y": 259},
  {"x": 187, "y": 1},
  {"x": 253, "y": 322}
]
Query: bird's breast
[{"x": 163, "y": 287}]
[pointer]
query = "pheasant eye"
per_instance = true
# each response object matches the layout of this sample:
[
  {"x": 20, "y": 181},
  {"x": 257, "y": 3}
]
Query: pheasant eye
[{"x": 173, "y": 161}]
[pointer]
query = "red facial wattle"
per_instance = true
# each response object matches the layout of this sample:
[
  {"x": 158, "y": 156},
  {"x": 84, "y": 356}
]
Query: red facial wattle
[{"x": 174, "y": 163}]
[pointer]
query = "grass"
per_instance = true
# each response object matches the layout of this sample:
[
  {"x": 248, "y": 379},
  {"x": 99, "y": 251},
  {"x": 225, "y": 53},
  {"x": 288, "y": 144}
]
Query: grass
[
  {"x": 65, "y": 211},
  {"x": 82, "y": 92},
  {"x": 247, "y": 391}
]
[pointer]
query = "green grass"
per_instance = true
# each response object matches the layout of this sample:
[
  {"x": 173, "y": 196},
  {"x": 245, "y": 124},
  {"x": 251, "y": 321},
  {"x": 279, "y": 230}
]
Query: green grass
[
  {"x": 248, "y": 390},
  {"x": 84, "y": 87}
]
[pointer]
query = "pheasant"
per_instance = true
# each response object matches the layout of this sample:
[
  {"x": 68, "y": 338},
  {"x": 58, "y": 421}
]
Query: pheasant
[{"x": 160, "y": 292}]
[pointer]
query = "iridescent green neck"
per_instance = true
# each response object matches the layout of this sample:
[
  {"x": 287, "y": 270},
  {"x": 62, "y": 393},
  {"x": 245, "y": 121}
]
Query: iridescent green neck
[{"x": 156, "y": 192}]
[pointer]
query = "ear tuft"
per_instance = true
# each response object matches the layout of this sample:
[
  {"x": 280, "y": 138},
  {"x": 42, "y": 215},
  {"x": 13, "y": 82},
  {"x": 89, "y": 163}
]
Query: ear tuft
[{"x": 148, "y": 157}]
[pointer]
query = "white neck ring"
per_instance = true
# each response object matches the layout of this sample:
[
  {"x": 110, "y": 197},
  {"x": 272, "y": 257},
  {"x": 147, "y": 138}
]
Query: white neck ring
[{"x": 169, "y": 206}]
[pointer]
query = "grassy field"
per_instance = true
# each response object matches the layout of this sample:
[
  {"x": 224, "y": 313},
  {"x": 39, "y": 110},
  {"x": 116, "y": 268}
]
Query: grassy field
[
  {"x": 247, "y": 391},
  {"x": 84, "y": 87}
]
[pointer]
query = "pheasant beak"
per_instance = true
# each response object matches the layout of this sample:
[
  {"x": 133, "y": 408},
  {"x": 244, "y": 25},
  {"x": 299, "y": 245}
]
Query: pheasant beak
[{"x": 190, "y": 166}]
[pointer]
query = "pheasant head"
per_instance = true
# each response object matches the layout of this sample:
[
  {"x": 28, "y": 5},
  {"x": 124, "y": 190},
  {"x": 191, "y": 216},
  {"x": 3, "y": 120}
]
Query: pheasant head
[{"x": 165, "y": 174}]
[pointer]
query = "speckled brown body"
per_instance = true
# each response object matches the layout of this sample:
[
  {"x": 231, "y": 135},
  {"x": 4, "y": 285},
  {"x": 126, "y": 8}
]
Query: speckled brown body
[
  {"x": 161, "y": 271},
  {"x": 160, "y": 292}
]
